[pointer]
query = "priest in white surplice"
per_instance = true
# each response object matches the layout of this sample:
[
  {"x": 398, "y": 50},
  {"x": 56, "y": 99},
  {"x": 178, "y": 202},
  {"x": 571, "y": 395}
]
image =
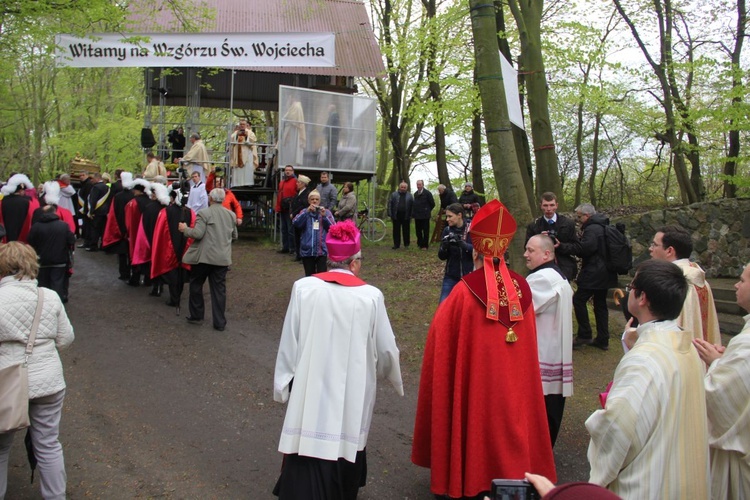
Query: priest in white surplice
[
  {"x": 675, "y": 244},
  {"x": 728, "y": 404},
  {"x": 336, "y": 341},
  {"x": 651, "y": 439},
  {"x": 553, "y": 307},
  {"x": 197, "y": 158}
]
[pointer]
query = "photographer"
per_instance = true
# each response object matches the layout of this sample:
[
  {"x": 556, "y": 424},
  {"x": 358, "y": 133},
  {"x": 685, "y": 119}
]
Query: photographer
[
  {"x": 176, "y": 138},
  {"x": 455, "y": 249},
  {"x": 313, "y": 224}
]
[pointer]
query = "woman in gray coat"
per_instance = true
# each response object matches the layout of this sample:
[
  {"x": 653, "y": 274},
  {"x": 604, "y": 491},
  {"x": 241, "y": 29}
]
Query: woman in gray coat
[{"x": 18, "y": 301}]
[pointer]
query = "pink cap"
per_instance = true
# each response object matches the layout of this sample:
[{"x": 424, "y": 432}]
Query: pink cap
[{"x": 343, "y": 241}]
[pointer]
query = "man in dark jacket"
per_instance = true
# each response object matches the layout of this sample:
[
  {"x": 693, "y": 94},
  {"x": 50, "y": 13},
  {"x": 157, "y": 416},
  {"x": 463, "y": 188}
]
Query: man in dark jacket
[
  {"x": 97, "y": 211},
  {"x": 470, "y": 200},
  {"x": 447, "y": 197},
  {"x": 400, "y": 209},
  {"x": 53, "y": 241},
  {"x": 559, "y": 228},
  {"x": 299, "y": 204},
  {"x": 594, "y": 279},
  {"x": 422, "y": 210}
]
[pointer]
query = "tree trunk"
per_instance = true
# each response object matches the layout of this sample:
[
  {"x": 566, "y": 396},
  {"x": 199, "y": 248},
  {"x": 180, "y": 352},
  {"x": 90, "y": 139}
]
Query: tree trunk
[
  {"x": 497, "y": 124},
  {"x": 669, "y": 91},
  {"x": 730, "y": 165},
  {"x": 528, "y": 16},
  {"x": 520, "y": 139}
]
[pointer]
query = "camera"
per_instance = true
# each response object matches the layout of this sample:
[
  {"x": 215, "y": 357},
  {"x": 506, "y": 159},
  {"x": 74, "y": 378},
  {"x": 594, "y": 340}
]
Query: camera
[
  {"x": 552, "y": 234},
  {"x": 513, "y": 489},
  {"x": 317, "y": 209},
  {"x": 451, "y": 239}
]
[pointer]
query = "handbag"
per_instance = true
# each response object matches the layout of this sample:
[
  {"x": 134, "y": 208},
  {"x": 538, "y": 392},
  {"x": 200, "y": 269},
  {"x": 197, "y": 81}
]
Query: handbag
[{"x": 14, "y": 383}]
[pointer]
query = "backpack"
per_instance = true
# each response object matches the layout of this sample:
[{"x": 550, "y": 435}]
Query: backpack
[{"x": 619, "y": 252}]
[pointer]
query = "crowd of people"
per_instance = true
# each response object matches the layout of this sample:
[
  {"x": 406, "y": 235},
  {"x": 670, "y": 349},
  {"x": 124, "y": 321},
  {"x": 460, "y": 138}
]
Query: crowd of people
[{"x": 672, "y": 423}]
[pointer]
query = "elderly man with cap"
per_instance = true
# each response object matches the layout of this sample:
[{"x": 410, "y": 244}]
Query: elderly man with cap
[
  {"x": 299, "y": 204},
  {"x": 480, "y": 411},
  {"x": 347, "y": 346},
  {"x": 470, "y": 200}
]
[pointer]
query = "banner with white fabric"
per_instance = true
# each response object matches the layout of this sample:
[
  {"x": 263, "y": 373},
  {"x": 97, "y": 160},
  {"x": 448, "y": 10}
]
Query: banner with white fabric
[
  {"x": 510, "y": 81},
  {"x": 204, "y": 50}
]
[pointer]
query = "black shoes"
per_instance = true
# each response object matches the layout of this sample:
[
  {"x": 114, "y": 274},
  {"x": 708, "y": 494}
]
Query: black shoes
[
  {"x": 282, "y": 251},
  {"x": 599, "y": 345},
  {"x": 194, "y": 321},
  {"x": 579, "y": 342},
  {"x": 219, "y": 328},
  {"x": 394, "y": 248}
]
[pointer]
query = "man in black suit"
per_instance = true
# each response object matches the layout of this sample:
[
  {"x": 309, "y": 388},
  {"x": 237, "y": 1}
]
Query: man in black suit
[{"x": 561, "y": 229}]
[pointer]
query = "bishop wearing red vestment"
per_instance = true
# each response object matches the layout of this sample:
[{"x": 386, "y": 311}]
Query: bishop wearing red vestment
[{"x": 480, "y": 412}]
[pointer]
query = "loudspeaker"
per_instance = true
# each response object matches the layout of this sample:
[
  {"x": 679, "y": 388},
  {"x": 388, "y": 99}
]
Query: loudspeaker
[{"x": 147, "y": 138}]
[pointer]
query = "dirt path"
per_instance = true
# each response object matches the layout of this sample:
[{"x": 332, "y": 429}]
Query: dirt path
[{"x": 160, "y": 408}]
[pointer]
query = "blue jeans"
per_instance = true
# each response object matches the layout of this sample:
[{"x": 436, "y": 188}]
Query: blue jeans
[{"x": 448, "y": 284}]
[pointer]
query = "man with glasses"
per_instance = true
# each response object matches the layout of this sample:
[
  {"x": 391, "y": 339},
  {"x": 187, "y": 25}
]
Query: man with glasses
[
  {"x": 594, "y": 279},
  {"x": 651, "y": 438},
  {"x": 675, "y": 244},
  {"x": 336, "y": 341}
]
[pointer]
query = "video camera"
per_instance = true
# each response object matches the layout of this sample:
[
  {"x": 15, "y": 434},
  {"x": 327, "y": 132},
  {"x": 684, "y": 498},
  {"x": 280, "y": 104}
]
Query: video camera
[{"x": 452, "y": 239}]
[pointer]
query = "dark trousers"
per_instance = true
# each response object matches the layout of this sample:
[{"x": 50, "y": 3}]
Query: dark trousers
[
  {"x": 217, "y": 284},
  {"x": 123, "y": 263},
  {"x": 54, "y": 279},
  {"x": 401, "y": 227},
  {"x": 555, "y": 405},
  {"x": 96, "y": 231},
  {"x": 422, "y": 227},
  {"x": 601, "y": 315},
  {"x": 314, "y": 265},
  {"x": 287, "y": 233},
  {"x": 175, "y": 280},
  {"x": 297, "y": 238}
]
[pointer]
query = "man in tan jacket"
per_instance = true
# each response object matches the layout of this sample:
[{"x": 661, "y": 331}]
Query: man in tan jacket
[{"x": 210, "y": 256}]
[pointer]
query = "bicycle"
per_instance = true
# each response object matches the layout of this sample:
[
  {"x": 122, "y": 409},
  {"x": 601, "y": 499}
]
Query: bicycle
[{"x": 372, "y": 228}]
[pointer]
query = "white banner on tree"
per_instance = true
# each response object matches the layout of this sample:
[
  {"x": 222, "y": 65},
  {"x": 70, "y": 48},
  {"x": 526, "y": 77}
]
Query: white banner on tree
[
  {"x": 212, "y": 50},
  {"x": 510, "y": 81}
]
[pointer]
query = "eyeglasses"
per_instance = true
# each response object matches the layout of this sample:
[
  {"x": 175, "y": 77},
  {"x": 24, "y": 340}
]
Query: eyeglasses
[
  {"x": 629, "y": 287},
  {"x": 654, "y": 245}
]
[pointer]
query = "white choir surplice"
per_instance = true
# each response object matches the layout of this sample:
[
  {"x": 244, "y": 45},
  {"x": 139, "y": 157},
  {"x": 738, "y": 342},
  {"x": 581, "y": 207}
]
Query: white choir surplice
[
  {"x": 651, "y": 439},
  {"x": 728, "y": 403},
  {"x": 698, "y": 314},
  {"x": 336, "y": 341},
  {"x": 553, "y": 308}
]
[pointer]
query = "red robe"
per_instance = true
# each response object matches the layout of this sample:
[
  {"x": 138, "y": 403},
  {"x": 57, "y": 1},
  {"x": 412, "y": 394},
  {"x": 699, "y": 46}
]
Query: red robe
[
  {"x": 163, "y": 255},
  {"x": 26, "y": 224},
  {"x": 133, "y": 216},
  {"x": 480, "y": 412},
  {"x": 67, "y": 218}
]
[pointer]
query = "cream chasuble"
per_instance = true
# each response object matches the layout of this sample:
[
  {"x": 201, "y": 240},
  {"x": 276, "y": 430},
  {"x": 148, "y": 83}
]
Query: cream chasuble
[{"x": 651, "y": 439}]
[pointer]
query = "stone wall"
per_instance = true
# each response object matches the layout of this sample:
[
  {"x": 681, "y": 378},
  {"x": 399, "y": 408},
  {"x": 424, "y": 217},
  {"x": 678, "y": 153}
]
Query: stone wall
[{"x": 721, "y": 233}]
